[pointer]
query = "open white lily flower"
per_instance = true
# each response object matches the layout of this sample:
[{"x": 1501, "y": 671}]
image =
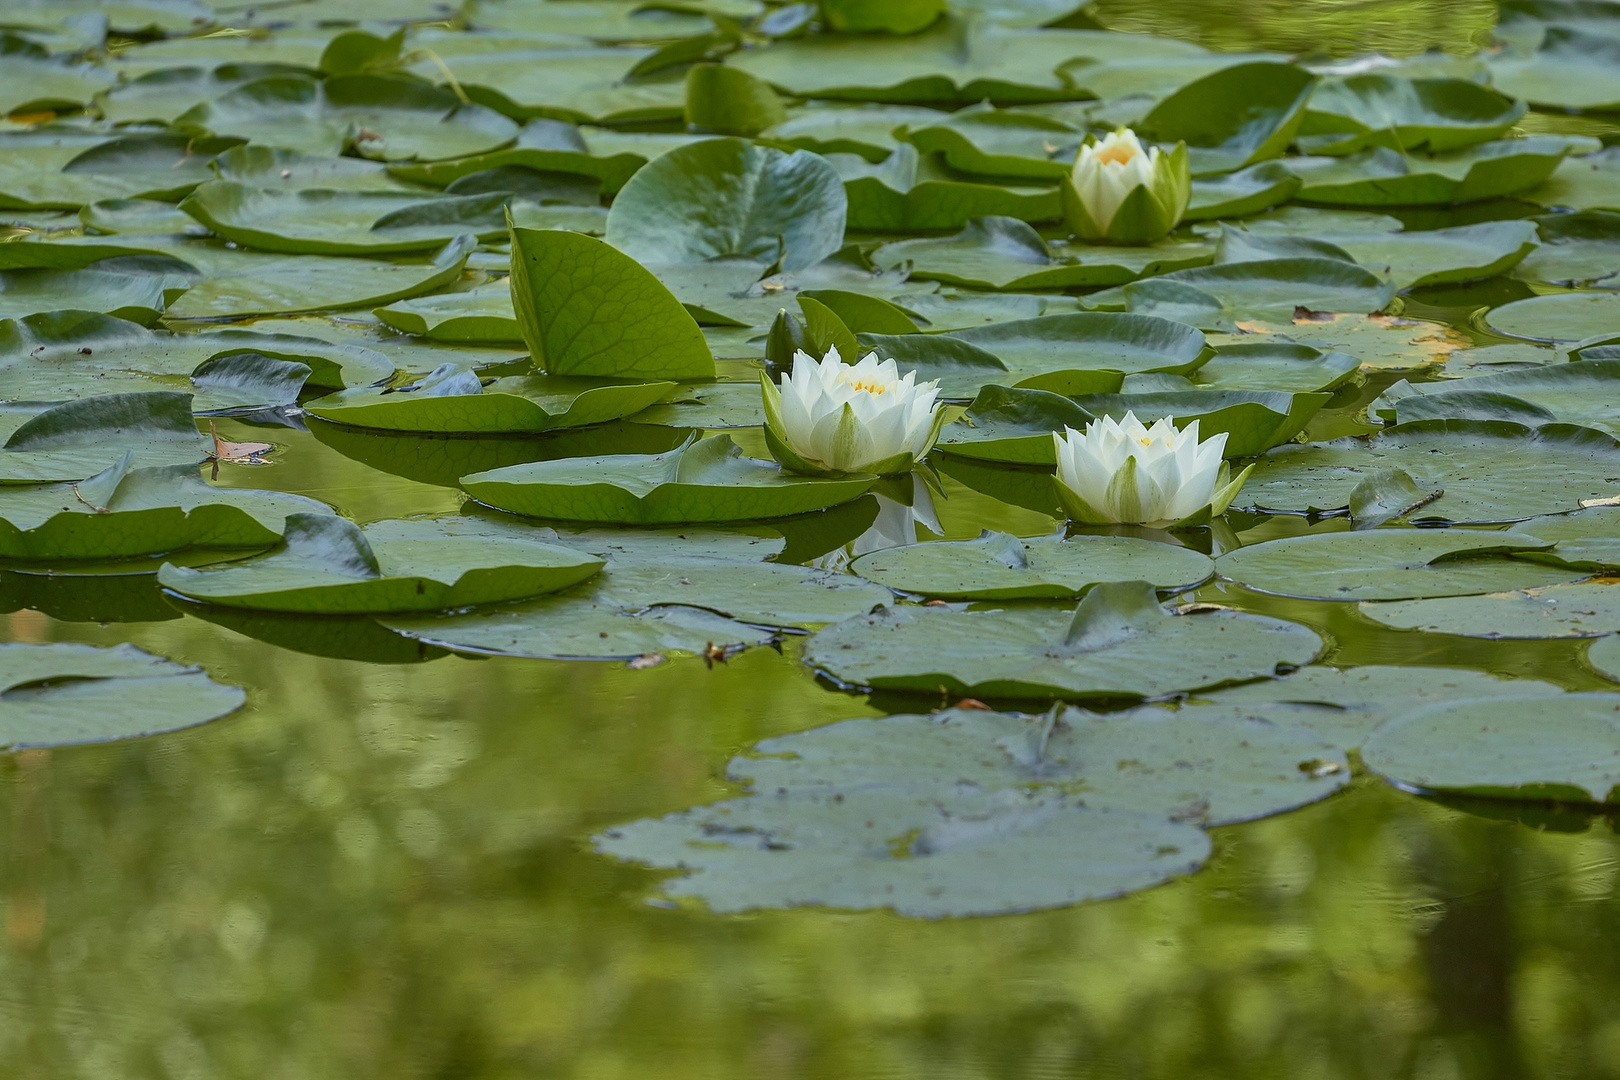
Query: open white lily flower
[
  {"x": 1121, "y": 472},
  {"x": 830, "y": 417},
  {"x": 1121, "y": 192}
]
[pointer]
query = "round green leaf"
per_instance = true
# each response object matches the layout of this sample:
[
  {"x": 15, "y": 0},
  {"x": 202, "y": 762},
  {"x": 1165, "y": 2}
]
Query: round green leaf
[
  {"x": 1577, "y": 610},
  {"x": 1389, "y": 564},
  {"x": 62, "y": 694},
  {"x": 1561, "y": 749},
  {"x": 519, "y": 403},
  {"x": 1118, "y": 643},
  {"x": 1379, "y": 109},
  {"x": 1558, "y": 317},
  {"x": 997, "y": 566},
  {"x": 1234, "y": 117}
]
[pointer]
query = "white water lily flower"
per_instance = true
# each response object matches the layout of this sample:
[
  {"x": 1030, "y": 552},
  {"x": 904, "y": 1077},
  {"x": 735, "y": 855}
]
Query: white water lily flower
[
  {"x": 1120, "y": 472},
  {"x": 1122, "y": 192},
  {"x": 830, "y": 417}
]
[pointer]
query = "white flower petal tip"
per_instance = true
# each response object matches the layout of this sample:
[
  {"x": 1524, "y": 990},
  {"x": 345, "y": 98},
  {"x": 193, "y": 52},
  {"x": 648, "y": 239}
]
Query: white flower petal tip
[
  {"x": 833, "y": 418},
  {"x": 1123, "y": 472},
  {"x": 1123, "y": 193}
]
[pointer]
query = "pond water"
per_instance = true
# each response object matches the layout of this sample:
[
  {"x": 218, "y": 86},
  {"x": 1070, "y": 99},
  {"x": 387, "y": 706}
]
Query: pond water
[{"x": 382, "y": 865}]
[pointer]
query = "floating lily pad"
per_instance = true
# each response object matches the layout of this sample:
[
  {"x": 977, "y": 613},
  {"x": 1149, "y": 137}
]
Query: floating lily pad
[
  {"x": 1571, "y": 69},
  {"x": 483, "y": 314},
  {"x": 1276, "y": 366},
  {"x": 582, "y": 85},
  {"x": 1060, "y": 352},
  {"x": 997, "y": 566},
  {"x": 1242, "y": 193},
  {"x": 992, "y": 142},
  {"x": 1005, "y": 253},
  {"x": 1385, "y": 177},
  {"x": 1218, "y": 297},
  {"x": 728, "y": 198},
  {"x": 701, "y": 481},
  {"x": 1380, "y": 342},
  {"x": 1588, "y": 540},
  {"x": 1186, "y": 764},
  {"x": 314, "y": 221},
  {"x": 79, "y": 439},
  {"x": 1489, "y": 471},
  {"x": 139, "y": 298},
  {"x": 909, "y": 192},
  {"x": 1235, "y": 117},
  {"x": 1558, "y": 317},
  {"x": 285, "y": 284},
  {"x": 56, "y": 169},
  {"x": 1577, "y": 393},
  {"x": 383, "y": 117},
  {"x": 1377, "y": 109},
  {"x": 710, "y": 406},
  {"x": 555, "y": 146},
  {"x": 123, "y": 512},
  {"x": 331, "y": 566},
  {"x": 1563, "y": 749},
  {"x": 1118, "y": 643},
  {"x": 1576, "y": 610},
  {"x": 972, "y": 854},
  {"x": 452, "y": 401},
  {"x": 1586, "y": 182},
  {"x": 1577, "y": 250},
  {"x": 63, "y": 694},
  {"x": 1604, "y": 655},
  {"x": 1390, "y": 564},
  {"x": 1441, "y": 256},
  {"x": 586, "y": 308},
  {"x": 1013, "y": 425},
  {"x": 1347, "y": 705},
  {"x": 1253, "y": 420}
]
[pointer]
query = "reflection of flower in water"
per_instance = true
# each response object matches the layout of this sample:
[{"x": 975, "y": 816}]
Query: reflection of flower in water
[{"x": 895, "y": 526}]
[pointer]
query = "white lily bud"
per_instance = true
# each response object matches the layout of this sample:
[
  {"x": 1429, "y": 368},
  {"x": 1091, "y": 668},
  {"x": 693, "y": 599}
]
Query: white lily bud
[{"x": 1122, "y": 192}]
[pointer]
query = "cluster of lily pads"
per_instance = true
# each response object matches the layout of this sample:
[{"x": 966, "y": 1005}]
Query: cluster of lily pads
[{"x": 709, "y": 307}]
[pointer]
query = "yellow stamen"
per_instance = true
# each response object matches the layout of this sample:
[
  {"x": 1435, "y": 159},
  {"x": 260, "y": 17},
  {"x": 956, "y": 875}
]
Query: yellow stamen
[
  {"x": 1118, "y": 154},
  {"x": 869, "y": 387}
]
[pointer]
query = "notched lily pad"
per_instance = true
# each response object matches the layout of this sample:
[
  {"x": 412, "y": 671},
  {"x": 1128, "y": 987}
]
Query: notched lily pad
[
  {"x": 1562, "y": 749},
  {"x": 707, "y": 480},
  {"x": 79, "y": 439},
  {"x": 1389, "y": 564},
  {"x": 451, "y": 400},
  {"x": 63, "y": 694},
  {"x": 331, "y": 566},
  {"x": 1118, "y": 643},
  {"x": 997, "y": 566}
]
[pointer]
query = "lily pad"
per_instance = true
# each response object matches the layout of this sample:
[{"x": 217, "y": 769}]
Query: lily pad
[
  {"x": 331, "y": 566},
  {"x": 993, "y": 142},
  {"x": 1489, "y": 471},
  {"x": 728, "y": 198},
  {"x": 971, "y": 854},
  {"x": 1588, "y": 540},
  {"x": 482, "y": 314},
  {"x": 78, "y": 439},
  {"x": 1276, "y": 366},
  {"x": 909, "y": 192},
  {"x": 1577, "y": 250},
  {"x": 1558, "y": 317},
  {"x": 1242, "y": 193},
  {"x": 1253, "y": 420},
  {"x": 383, "y": 117},
  {"x": 1577, "y": 393},
  {"x": 1059, "y": 352},
  {"x": 1350, "y": 114},
  {"x": 1441, "y": 256},
  {"x": 586, "y": 308},
  {"x": 55, "y": 169},
  {"x": 1005, "y": 253},
  {"x": 1556, "y": 611},
  {"x": 1571, "y": 69},
  {"x": 1604, "y": 655},
  {"x": 139, "y": 298},
  {"x": 1585, "y": 182},
  {"x": 1562, "y": 750},
  {"x": 1385, "y": 177},
  {"x": 1013, "y": 425},
  {"x": 1389, "y": 564},
  {"x": 997, "y": 566},
  {"x": 123, "y": 512},
  {"x": 554, "y": 146},
  {"x": 1348, "y": 704},
  {"x": 64, "y": 694},
  {"x": 1219, "y": 297},
  {"x": 579, "y": 84},
  {"x": 313, "y": 221},
  {"x": 452, "y": 401},
  {"x": 1234, "y": 117},
  {"x": 1118, "y": 643},
  {"x": 285, "y": 284},
  {"x": 709, "y": 480}
]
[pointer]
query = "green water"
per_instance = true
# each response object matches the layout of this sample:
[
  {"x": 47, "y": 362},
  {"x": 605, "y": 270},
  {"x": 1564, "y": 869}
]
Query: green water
[{"x": 383, "y": 870}]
